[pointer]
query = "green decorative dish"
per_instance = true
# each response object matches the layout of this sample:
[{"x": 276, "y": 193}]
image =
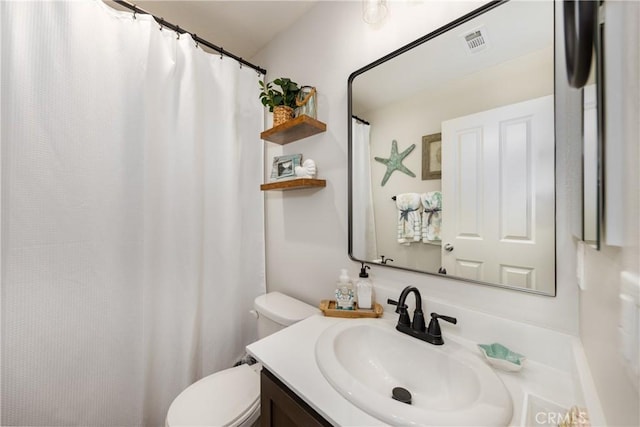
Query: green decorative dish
[{"x": 501, "y": 357}]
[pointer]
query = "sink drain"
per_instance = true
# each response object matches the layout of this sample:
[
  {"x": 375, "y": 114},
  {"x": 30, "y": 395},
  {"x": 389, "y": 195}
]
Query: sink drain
[{"x": 401, "y": 395}]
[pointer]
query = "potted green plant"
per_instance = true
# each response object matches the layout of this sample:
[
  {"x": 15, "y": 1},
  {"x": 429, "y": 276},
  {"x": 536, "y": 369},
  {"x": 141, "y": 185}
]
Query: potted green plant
[{"x": 280, "y": 102}]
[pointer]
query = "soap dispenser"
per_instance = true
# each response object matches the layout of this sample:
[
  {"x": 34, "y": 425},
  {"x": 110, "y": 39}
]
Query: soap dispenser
[
  {"x": 364, "y": 289},
  {"x": 345, "y": 297}
]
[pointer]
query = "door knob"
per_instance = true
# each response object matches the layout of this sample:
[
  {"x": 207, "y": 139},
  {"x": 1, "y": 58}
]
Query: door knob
[{"x": 448, "y": 247}]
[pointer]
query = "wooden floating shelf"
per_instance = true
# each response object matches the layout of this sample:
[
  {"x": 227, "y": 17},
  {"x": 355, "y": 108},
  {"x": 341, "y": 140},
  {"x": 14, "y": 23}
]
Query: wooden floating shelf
[
  {"x": 294, "y": 184},
  {"x": 293, "y": 130}
]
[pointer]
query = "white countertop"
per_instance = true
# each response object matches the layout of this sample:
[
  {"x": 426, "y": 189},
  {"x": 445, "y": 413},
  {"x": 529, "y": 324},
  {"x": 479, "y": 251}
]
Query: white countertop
[{"x": 290, "y": 355}]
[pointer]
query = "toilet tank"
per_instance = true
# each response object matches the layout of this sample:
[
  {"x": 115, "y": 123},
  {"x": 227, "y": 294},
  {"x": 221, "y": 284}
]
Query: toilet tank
[{"x": 276, "y": 311}]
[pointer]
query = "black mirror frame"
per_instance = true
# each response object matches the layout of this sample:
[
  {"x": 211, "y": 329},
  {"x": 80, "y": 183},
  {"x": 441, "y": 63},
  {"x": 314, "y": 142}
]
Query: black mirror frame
[{"x": 441, "y": 30}]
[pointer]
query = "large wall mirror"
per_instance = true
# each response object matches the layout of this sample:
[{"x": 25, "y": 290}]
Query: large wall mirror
[{"x": 452, "y": 151}]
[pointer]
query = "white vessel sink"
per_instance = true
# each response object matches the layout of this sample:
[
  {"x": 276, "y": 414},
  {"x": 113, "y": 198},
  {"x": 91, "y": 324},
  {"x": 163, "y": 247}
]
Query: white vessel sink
[{"x": 364, "y": 360}]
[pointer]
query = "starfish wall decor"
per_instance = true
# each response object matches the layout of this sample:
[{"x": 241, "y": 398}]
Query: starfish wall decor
[{"x": 394, "y": 162}]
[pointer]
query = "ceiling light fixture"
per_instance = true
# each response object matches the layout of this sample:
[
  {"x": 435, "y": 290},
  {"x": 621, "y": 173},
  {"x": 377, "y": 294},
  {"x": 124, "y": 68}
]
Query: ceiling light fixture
[{"x": 374, "y": 11}]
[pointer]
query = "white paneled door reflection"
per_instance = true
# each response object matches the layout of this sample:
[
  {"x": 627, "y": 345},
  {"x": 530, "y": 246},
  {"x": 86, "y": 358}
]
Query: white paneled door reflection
[{"x": 498, "y": 195}]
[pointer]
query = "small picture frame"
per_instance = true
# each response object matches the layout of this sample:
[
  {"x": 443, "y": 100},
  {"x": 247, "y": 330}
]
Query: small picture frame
[
  {"x": 285, "y": 166},
  {"x": 432, "y": 156}
]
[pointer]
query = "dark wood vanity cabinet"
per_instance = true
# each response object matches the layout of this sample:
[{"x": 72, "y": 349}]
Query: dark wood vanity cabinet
[{"x": 281, "y": 407}]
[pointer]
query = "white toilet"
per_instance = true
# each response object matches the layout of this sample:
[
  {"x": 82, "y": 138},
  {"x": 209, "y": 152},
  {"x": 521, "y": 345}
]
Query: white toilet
[{"x": 231, "y": 398}]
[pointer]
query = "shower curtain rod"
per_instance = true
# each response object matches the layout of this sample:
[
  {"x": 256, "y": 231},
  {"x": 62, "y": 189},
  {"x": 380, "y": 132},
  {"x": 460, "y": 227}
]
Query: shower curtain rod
[
  {"x": 361, "y": 120},
  {"x": 197, "y": 39}
]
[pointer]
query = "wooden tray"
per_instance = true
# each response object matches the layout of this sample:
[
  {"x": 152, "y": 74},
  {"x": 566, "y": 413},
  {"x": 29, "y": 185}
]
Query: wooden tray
[{"x": 329, "y": 310}]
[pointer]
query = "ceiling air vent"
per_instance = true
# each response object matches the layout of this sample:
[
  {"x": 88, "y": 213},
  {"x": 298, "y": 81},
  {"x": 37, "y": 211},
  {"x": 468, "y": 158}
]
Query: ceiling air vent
[{"x": 476, "y": 40}]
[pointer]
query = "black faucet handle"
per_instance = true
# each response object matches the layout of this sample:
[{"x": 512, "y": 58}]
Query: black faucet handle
[
  {"x": 434, "y": 326},
  {"x": 446, "y": 318},
  {"x": 401, "y": 309}
]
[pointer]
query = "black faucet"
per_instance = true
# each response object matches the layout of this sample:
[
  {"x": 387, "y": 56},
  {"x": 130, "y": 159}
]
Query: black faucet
[
  {"x": 416, "y": 328},
  {"x": 385, "y": 261}
]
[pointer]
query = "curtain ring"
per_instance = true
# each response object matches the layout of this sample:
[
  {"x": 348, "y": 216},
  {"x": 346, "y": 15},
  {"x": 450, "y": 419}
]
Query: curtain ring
[
  {"x": 195, "y": 39},
  {"x": 161, "y": 23},
  {"x": 178, "y": 32},
  {"x": 135, "y": 10},
  {"x": 221, "y": 51},
  {"x": 240, "y": 63}
]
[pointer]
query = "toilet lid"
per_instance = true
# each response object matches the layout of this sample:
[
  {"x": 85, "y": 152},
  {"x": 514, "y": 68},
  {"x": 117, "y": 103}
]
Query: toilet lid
[
  {"x": 283, "y": 309},
  {"x": 222, "y": 399}
]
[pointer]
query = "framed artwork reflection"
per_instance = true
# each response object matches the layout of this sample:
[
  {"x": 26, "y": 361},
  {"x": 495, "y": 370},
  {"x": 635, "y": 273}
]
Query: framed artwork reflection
[{"x": 432, "y": 156}]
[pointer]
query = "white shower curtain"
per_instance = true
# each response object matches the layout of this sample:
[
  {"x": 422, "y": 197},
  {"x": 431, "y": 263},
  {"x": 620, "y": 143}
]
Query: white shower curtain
[
  {"x": 364, "y": 244},
  {"x": 132, "y": 221}
]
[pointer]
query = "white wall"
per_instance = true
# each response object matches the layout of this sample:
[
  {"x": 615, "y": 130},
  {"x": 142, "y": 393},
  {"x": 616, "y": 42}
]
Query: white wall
[
  {"x": 599, "y": 302},
  {"x": 408, "y": 120},
  {"x": 307, "y": 229}
]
